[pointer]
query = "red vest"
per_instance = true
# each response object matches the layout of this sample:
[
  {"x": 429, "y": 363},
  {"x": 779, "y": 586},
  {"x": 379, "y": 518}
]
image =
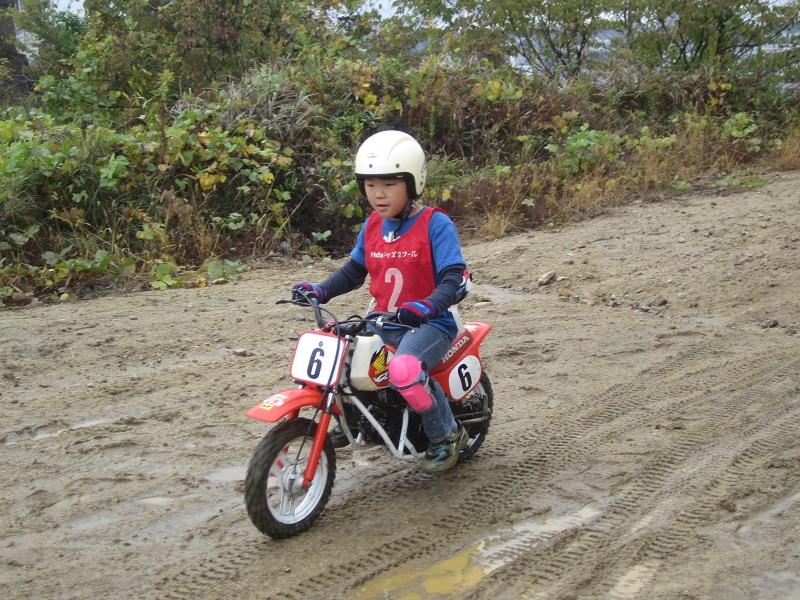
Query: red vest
[{"x": 399, "y": 271}]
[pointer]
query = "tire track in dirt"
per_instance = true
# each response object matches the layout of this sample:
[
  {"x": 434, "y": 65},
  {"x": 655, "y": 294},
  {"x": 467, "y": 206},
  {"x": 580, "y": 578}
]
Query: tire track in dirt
[
  {"x": 376, "y": 495},
  {"x": 498, "y": 493},
  {"x": 574, "y": 443},
  {"x": 662, "y": 546},
  {"x": 555, "y": 570}
]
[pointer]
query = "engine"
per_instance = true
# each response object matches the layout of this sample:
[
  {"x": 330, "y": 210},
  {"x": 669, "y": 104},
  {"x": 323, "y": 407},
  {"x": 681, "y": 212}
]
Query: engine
[{"x": 386, "y": 407}]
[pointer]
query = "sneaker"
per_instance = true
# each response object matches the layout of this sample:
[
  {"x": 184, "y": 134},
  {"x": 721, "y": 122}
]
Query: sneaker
[
  {"x": 443, "y": 455},
  {"x": 338, "y": 438}
]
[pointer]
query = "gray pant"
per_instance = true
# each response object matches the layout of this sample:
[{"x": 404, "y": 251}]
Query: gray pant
[{"x": 427, "y": 344}]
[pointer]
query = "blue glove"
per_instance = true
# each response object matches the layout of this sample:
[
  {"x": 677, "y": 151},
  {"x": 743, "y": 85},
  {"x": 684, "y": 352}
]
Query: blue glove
[
  {"x": 316, "y": 291},
  {"x": 415, "y": 313}
]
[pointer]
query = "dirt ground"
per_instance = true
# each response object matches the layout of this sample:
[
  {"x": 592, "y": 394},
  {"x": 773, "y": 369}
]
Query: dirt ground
[{"x": 644, "y": 443}]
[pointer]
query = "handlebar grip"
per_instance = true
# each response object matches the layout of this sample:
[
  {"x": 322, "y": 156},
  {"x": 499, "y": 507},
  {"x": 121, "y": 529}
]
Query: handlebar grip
[{"x": 352, "y": 328}]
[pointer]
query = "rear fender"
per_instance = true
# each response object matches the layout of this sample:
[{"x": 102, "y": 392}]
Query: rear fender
[
  {"x": 287, "y": 402},
  {"x": 478, "y": 331},
  {"x": 467, "y": 342}
]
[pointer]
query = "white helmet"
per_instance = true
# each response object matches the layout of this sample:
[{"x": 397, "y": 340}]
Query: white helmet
[{"x": 392, "y": 154}]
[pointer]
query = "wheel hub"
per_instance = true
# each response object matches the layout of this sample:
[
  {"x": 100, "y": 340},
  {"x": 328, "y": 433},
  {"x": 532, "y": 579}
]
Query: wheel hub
[{"x": 292, "y": 480}]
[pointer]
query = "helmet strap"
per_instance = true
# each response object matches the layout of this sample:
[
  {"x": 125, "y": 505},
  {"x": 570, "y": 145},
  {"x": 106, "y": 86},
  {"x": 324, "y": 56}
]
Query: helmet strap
[
  {"x": 406, "y": 210},
  {"x": 401, "y": 216}
]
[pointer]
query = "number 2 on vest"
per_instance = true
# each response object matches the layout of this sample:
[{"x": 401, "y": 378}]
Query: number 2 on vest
[{"x": 395, "y": 277}]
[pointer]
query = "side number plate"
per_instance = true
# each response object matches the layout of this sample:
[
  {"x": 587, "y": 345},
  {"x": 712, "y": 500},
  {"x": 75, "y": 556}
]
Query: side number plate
[{"x": 464, "y": 376}]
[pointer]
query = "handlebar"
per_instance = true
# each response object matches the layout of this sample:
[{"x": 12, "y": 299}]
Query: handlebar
[
  {"x": 350, "y": 326},
  {"x": 303, "y": 298}
]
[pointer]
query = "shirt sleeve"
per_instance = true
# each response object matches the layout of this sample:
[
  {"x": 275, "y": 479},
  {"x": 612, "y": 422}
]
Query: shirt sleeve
[
  {"x": 358, "y": 253},
  {"x": 445, "y": 245},
  {"x": 349, "y": 277}
]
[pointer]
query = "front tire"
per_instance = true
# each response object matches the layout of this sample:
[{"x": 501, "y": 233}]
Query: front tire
[
  {"x": 276, "y": 502},
  {"x": 475, "y": 413}
]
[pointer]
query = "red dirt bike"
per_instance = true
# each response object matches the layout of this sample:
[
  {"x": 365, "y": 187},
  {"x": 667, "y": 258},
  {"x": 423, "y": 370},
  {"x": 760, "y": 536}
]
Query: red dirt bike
[{"x": 342, "y": 373}]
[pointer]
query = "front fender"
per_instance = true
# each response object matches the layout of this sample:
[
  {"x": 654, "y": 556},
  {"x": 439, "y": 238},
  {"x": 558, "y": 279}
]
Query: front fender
[{"x": 280, "y": 404}]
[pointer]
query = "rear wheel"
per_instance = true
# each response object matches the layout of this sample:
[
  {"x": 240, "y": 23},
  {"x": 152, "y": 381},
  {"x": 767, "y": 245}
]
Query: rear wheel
[
  {"x": 475, "y": 413},
  {"x": 277, "y": 502}
]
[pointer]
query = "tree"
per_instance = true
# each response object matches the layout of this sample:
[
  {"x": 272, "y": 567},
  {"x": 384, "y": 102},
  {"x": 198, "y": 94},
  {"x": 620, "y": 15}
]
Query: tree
[
  {"x": 557, "y": 38},
  {"x": 204, "y": 41},
  {"x": 685, "y": 35},
  {"x": 554, "y": 38}
]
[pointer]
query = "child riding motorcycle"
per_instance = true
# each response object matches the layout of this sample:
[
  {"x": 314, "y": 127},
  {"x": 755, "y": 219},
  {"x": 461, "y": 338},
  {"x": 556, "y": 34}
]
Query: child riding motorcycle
[{"x": 417, "y": 270}]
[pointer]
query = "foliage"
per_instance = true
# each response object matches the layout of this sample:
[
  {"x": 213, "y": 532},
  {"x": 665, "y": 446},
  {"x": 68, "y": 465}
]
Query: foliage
[
  {"x": 741, "y": 179},
  {"x": 114, "y": 188},
  {"x": 585, "y": 150},
  {"x": 59, "y": 277},
  {"x": 730, "y": 33},
  {"x": 551, "y": 38},
  {"x": 166, "y": 142},
  {"x": 740, "y": 127},
  {"x": 566, "y": 38},
  {"x": 129, "y": 44},
  {"x": 788, "y": 151},
  {"x": 222, "y": 269}
]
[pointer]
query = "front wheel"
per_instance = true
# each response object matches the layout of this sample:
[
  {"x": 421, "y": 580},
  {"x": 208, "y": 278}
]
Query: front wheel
[
  {"x": 277, "y": 502},
  {"x": 475, "y": 413}
]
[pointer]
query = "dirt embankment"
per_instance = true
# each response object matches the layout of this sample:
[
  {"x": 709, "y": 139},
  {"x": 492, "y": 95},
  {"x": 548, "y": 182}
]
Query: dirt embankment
[{"x": 644, "y": 444}]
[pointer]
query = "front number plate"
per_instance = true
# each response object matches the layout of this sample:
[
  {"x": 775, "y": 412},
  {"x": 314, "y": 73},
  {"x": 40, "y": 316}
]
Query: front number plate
[{"x": 318, "y": 358}]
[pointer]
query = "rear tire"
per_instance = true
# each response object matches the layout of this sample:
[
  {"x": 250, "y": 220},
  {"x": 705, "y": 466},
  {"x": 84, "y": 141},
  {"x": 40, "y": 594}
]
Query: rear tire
[
  {"x": 477, "y": 407},
  {"x": 276, "y": 502}
]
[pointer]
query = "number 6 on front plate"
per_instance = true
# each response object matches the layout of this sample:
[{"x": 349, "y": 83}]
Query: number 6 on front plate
[{"x": 318, "y": 358}]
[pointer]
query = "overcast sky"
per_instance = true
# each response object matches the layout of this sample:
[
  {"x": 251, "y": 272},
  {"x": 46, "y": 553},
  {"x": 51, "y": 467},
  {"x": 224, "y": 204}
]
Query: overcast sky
[
  {"x": 385, "y": 6},
  {"x": 73, "y": 5}
]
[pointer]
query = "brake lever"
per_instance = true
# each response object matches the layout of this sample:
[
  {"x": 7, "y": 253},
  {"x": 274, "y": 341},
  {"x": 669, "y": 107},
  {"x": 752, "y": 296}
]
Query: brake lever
[
  {"x": 382, "y": 322},
  {"x": 300, "y": 298}
]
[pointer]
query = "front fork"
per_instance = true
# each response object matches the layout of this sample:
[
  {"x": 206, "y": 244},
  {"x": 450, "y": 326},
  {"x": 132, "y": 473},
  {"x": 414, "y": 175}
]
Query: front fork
[{"x": 319, "y": 439}]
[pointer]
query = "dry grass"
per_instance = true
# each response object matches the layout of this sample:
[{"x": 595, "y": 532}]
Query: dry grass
[
  {"x": 652, "y": 167},
  {"x": 789, "y": 155},
  {"x": 534, "y": 194}
]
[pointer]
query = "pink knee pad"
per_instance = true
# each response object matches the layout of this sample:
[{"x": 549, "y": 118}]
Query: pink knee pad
[{"x": 408, "y": 378}]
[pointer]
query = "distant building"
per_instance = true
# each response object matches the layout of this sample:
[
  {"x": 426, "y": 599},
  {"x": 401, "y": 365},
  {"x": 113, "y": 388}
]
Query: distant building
[
  {"x": 25, "y": 39},
  {"x": 14, "y": 62}
]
